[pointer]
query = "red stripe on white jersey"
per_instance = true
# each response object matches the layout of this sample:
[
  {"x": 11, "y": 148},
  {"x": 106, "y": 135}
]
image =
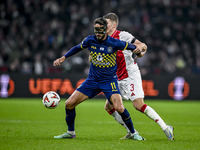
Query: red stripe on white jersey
[{"x": 121, "y": 64}]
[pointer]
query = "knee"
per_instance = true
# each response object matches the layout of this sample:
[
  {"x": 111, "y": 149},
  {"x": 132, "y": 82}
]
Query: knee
[
  {"x": 68, "y": 105},
  {"x": 120, "y": 110}
]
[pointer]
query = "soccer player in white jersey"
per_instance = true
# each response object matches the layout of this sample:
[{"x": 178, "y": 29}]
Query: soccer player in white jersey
[{"x": 129, "y": 78}]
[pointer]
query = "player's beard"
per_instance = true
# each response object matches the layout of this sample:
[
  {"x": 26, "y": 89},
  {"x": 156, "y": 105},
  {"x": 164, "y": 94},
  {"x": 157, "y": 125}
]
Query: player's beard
[{"x": 101, "y": 39}]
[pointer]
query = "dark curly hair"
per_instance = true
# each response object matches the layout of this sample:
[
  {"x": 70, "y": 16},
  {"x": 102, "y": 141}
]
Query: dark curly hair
[{"x": 101, "y": 21}]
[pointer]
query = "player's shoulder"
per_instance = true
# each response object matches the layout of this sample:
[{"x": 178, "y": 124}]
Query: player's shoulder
[
  {"x": 125, "y": 33},
  {"x": 89, "y": 38},
  {"x": 125, "y": 36}
]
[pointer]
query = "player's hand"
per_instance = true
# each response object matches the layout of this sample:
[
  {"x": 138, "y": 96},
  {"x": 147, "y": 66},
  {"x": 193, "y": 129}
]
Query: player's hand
[
  {"x": 58, "y": 61},
  {"x": 138, "y": 48},
  {"x": 90, "y": 58}
]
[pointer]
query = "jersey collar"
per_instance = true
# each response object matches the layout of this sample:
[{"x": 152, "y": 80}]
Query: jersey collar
[{"x": 113, "y": 35}]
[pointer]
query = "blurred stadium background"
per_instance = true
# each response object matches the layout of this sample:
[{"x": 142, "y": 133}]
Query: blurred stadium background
[{"x": 33, "y": 33}]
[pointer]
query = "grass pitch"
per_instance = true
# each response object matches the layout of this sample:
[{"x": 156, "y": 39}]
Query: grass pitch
[{"x": 25, "y": 124}]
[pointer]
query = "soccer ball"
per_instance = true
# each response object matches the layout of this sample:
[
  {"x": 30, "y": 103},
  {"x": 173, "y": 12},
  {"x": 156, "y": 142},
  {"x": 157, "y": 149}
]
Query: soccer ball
[{"x": 51, "y": 99}]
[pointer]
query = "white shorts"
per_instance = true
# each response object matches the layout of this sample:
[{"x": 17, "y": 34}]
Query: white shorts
[{"x": 131, "y": 87}]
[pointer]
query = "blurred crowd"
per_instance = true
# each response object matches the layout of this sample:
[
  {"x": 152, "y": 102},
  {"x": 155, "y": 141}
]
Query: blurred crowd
[{"x": 33, "y": 33}]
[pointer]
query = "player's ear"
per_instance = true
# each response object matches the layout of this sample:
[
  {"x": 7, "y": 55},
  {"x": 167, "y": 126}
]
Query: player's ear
[{"x": 115, "y": 25}]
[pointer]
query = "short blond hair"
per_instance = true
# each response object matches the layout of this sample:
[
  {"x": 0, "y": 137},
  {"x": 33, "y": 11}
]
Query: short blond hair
[{"x": 112, "y": 17}]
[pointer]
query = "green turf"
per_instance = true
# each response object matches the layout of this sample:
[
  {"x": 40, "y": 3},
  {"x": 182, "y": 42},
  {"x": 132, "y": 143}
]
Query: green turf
[{"x": 25, "y": 124}]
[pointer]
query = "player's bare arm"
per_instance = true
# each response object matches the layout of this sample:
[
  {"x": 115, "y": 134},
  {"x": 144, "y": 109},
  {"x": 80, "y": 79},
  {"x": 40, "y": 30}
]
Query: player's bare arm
[{"x": 58, "y": 61}]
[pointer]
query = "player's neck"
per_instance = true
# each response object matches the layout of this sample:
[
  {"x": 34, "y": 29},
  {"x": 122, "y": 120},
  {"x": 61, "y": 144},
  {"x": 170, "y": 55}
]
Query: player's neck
[{"x": 111, "y": 32}]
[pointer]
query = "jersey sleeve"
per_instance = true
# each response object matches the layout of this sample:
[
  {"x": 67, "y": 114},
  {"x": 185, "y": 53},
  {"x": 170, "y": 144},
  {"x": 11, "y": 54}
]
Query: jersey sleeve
[
  {"x": 77, "y": 48},
  {"x": 126, "y": 36},
  {"x": 122, "y": 45}
]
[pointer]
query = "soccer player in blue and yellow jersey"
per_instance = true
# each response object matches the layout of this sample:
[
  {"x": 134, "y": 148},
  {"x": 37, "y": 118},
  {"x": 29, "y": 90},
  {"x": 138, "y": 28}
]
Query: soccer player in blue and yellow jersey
[{"x": 102, "y": 76}]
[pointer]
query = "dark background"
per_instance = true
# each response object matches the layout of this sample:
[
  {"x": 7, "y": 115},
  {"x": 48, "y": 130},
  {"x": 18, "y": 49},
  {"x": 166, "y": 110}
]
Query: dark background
[{"x": 33, "y": 33}]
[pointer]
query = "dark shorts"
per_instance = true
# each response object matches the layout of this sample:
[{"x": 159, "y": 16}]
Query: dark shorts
[{"x": 92, "y": 87}]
